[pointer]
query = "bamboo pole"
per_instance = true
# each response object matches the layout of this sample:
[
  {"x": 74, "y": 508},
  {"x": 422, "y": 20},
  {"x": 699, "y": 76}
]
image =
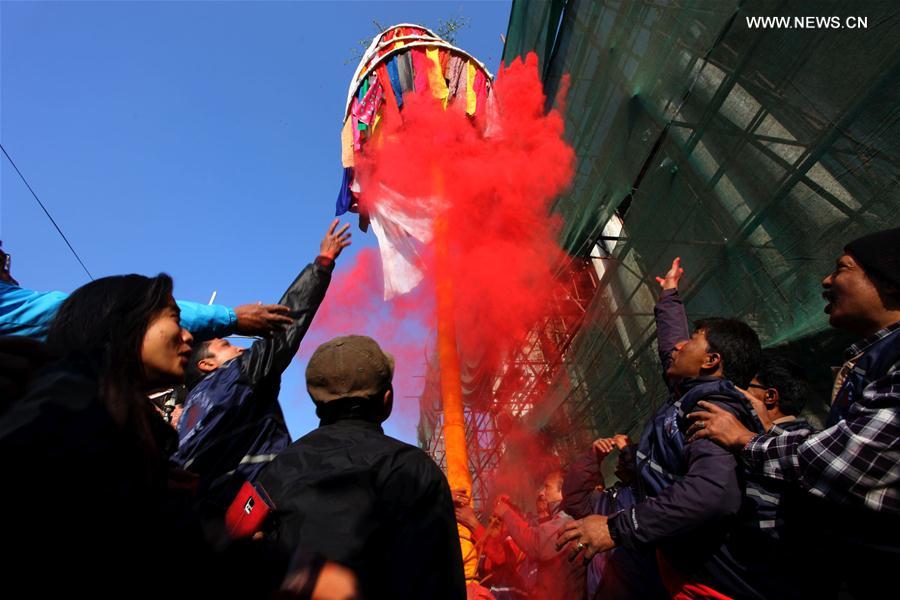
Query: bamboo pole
[{"x": 455, "y": 451}]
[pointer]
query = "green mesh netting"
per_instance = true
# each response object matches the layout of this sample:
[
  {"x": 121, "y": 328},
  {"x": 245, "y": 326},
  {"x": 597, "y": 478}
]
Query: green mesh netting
[{"x": 754, "y": 154}]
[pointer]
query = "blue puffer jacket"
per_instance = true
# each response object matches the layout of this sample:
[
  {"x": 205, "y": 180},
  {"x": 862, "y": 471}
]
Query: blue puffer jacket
[{"x": 29, "y": 313}]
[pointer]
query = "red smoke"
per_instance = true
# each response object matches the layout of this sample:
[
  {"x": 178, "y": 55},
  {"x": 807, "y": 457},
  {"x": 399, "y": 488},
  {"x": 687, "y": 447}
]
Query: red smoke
[
  {"x": 354, "y": 305},
  {"x": 495, "y": 193}
]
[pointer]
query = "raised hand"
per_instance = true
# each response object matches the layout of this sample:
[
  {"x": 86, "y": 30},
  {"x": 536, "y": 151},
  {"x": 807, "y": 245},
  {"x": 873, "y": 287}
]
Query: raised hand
[
  {"x": 670, "y": 281},
  {"x": 603, "y": 447},
  {"x": 335, "y": 241},
  {"x": 502, "y": 505}
]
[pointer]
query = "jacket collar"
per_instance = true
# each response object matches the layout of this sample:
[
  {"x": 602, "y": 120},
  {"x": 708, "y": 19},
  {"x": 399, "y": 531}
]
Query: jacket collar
[
  {"x": 352, "y": 423},
  {"x": 686, "y": 385},
  {"x": 866, "y": 344}
]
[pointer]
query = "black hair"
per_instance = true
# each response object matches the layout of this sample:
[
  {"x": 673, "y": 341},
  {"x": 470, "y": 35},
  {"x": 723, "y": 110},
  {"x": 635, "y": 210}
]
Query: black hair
[
  {"x": 561, "y": 474},
  {"x": 192, "y": 373},
  {"x": 101, "y": 327},
  {"x": 626, "y": 467},
  {"x": 789, "y": 379},
  {"x": 737, "y": 345}
]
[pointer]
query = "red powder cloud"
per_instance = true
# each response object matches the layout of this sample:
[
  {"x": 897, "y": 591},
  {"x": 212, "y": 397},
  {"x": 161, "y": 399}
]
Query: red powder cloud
[
  {"x": 495, "y": 193},
  {"x": 354, "y": 305}
]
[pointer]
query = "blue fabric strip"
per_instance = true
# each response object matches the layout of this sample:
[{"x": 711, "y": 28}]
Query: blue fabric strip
[
  {"x": 344, "y": 198},
  {"x": 394, "y": 75}
]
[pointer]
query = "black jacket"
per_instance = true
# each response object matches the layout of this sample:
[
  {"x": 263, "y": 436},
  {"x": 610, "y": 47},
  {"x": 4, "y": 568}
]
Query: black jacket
[
  {"x": 89, "y": 511},
  {"x": 232, "y": 423},
  {"x": 380, "y": 506}
]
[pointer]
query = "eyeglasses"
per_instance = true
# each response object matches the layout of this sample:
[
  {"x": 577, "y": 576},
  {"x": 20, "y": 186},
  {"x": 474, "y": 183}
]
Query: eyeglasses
[{"x": 757, "y": 386}]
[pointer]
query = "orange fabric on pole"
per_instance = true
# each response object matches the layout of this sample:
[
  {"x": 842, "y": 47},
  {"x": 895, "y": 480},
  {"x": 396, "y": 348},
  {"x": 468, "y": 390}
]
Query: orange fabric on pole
[
  {"x": 451, "y": 387},
  {"x": 455, "y": 452}
]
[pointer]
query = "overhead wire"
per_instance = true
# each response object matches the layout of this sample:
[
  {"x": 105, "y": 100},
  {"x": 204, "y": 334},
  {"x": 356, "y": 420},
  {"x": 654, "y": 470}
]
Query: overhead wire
[{"x": 46, "y": 212}]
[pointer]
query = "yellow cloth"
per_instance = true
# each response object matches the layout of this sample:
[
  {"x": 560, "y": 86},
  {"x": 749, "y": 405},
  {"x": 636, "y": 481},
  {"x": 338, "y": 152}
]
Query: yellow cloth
[
  {"x": 347, "y": 143},
  {"x": 375, "y": 138},
  {"x": 469, "y": 551},
  {"x": 471, "y": 99},
  {"x": 436, "y": 77}
]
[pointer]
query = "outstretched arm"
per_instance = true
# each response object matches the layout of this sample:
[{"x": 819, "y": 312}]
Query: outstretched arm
[
  {"x": 303, "y": 297},
  {"x": 583, "y": 477},
  {"x": 852, "y": 462},
  {"x": 29, "y": 313},
  {"x": 671, "y": 319}
]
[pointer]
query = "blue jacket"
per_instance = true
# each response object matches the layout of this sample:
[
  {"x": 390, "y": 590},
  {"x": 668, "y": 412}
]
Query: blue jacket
[
  {"x": 29, "y": 313},
  {"x": 695, "y": 491},
  {"x": 232, "y": 425}
]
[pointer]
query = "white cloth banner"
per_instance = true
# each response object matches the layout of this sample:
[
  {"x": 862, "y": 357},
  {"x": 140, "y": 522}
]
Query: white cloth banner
[{"x": 401, "y": 225}]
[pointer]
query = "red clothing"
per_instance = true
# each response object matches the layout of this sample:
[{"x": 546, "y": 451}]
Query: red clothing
[
  {"x": 681, "y": 588},
  {"x": 500, "y": 552}
]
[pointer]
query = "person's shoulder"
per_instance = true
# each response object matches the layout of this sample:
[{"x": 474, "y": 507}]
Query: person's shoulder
[
  {"x": 726, "y": 396},
  {"x": 890, "y": 378},
  {"x": 412, "y": 459},
  {"x": 408, "y": 451},
  {"x": 882, "y": 393},
  {"x": 62, "y": 381},
  {"x": 225, "y": 376},
  {"x": 324, "y": 440},
  {"x": 299, "y": 446},
  {"x": 59, "y": 396}
]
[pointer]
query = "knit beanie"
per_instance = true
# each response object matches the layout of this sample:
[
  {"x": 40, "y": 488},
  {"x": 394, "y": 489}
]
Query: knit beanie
[{"x": 879, "y": 254}]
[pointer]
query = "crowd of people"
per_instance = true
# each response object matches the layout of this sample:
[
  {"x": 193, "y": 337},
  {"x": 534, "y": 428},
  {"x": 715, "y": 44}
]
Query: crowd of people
[
  {"x": 730, "y": 492},
  {"x": 144, "y": 454}
]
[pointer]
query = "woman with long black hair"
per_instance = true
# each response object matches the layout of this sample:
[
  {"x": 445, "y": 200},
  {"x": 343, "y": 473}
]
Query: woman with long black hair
[
  {"x": 124, "y": 334},
  {"x": 84, "y": 455}
]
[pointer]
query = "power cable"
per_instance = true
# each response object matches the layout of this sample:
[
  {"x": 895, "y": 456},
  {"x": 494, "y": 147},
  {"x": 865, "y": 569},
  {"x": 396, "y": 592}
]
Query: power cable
[{"x": 46, "y": 212}]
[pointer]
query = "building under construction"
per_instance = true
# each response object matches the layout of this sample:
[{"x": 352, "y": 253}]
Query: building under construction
[{"x": 752, "y": 152}]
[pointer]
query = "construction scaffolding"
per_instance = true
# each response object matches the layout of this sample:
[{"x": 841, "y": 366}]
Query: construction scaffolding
[
  {"x": 494, "y": 402},
  {"x": 754, "y": 154}
]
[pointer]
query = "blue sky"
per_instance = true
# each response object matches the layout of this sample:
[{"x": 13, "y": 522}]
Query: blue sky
[{"x": 200, "y": 139}]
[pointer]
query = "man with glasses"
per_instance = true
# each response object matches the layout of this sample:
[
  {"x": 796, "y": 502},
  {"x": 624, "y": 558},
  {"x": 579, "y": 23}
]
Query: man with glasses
[{"x": 779, "y": 392}]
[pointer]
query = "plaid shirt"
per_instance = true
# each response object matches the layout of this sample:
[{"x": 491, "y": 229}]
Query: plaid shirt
[{"x": 856, "y": 461}]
